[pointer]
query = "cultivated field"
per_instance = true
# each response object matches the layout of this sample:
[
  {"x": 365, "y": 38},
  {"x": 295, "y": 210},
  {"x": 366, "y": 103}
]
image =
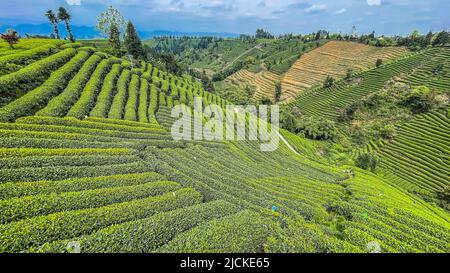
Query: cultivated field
[
  {"x": 264, "y": 82},
  {"x": 329, "y": 102},
  {"x": 332, "y": 59},
  {"x": 86, "y": 158}
]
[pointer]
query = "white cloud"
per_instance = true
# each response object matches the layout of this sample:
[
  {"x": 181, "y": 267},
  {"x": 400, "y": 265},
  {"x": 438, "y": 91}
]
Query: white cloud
[
  {"x": 316, "y": 8},
  {"x": 341, "y": 11},
  {"x": 74, "y": 2},
  {"x": 373, "y": 2}
]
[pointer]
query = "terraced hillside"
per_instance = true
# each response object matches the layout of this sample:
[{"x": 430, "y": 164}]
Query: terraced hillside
[
  {"x": 86, "y": 159},
  {"x": 332, "y": 59},
  {"x": 419, "y": 154},
  {"x": 216, "y": 54},
  {"x": 264, "y": 82},
  {"x": 330, "y": 102},
  {"x": 417, "y": 158}
]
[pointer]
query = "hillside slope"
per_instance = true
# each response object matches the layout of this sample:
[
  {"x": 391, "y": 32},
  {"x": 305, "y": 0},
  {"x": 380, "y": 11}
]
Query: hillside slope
[
  {"x": 332, "y": 59},
  {"x": 264, "y": 82},
  {"x": 86, "y": 157},
  {"x": 331, "y": 102}
]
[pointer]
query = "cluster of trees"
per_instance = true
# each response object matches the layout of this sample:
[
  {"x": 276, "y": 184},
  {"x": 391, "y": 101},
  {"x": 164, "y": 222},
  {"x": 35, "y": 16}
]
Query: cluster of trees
[
  {"x": 311, "y": 127},
  {"x": 62, "y": 16},
  {"x": 207, "y": 83},
  {"x": 366, "y": 161},
  {"x": 375, "y": 116},
  {"x": 177, "y": 45},
  {"x": 329, "y": 82},
  {"x": 417, "y": 41},
  {"x": 262, "y": 34},
  {"x": 413, "y": 41},
  {"x": 223, "y": 74},
  {"x": 112, "y": 24}
]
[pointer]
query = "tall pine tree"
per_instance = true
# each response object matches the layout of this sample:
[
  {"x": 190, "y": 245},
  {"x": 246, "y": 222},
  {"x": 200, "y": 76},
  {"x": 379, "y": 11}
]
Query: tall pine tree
[
  {"x": 114, "y": 40},
  {"x": 133, "y": 43}
]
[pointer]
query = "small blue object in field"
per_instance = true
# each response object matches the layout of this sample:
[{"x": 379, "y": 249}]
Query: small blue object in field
[{"x": 274, "y": 208}]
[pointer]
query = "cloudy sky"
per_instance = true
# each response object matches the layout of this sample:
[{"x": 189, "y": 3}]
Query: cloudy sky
[{"x": 244, "y": 16}]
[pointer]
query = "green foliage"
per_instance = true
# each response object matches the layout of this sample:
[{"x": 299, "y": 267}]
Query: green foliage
[
  {"x": 28, "y": 78},
  {"x": 246, "y": 232},
  {"x": 105, "y": 96},
  {"x": 64, "y": 15},
  {"x": 262, "y": 34},
  {"x": 132, "y": 42},
  {"x": 443, "y": 38},
  {"x": 147, "y": 234},
  {"x": 265, "y": 101},
  {"x": 19, "y": 235},
  {"x": 329, "y": 82},
  {"x": 39, "y": 97},
  {"x": 60, "y": 105},
  {"x": 114, "y": 41},
  {"x": 105, "y": 183},
  {"x": 277, "y": 91},
  {"x": 53, "y": 20},
  {"x": 153, "y": 105},
  {"x": 366, "y": 162},
  {"x": 349, "y": 74},
  {"x": 12, "y": 190},
  {"x": 143, "y": 101},
  {"x": 26, "y": 207},
  {"x": 117, "y": 107},
  {"x": 24, "y": 58},
  {"x": 132, "y": 101},
  {"x": 420, "y": 100},
  {"x": 85, "y": 103},
  {"x": 379, "y": 63},
  {"x": 318, "y": 128}
]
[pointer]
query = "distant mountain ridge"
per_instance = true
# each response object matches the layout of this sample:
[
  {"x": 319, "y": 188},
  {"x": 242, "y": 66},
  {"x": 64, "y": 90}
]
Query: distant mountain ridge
[{"x": 89, "y": 32}]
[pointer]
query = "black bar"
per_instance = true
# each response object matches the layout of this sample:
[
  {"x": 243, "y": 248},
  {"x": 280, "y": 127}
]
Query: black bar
[{"x": 224, "y": 262}]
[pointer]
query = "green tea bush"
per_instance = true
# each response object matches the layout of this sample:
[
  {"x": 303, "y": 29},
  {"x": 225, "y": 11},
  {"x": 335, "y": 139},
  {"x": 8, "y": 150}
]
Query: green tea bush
[
  {"x": 91, "y": 123},
  {"x": 27, "y": 56},
  {"x": 162, "y": 99},
  {"x": 366, "y": 162},
  {"x": 39, "y": 97},
  {"x": 143, "y": 101},
  {"x": 71, "y": 45},
  {"x": 145, "y": 235},
  {"x": 32, "y": 232},
  {"x": 87, "y": 99},
  {"x": 19, "y": 208},
  {"x": 130, "y": 124},
  {"x": 27, "y": 142},
  {"x": 12, "y": 189},
  {"x": 60, "y": 105},
  {"x": 153, "y": 105},
  {"x": 106, "y": 94},
  {"x": 65, "y": 172},
  {"x": 24, "y": 152},
  {"x": 117, "y": 107},
  {"x": 49, "y": 161},
  {"x": 132, "y": 101},
  {"x": 246, "y": 231},
  {"x": 30, "y": 77}
]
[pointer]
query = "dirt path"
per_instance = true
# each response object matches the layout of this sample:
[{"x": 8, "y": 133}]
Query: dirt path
[
  {"x": 258, "y": 46},
  {"x": 287, "y": 143}
]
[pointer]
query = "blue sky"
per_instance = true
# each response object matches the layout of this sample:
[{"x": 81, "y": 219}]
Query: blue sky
[{"x": 244, "y": 16}]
